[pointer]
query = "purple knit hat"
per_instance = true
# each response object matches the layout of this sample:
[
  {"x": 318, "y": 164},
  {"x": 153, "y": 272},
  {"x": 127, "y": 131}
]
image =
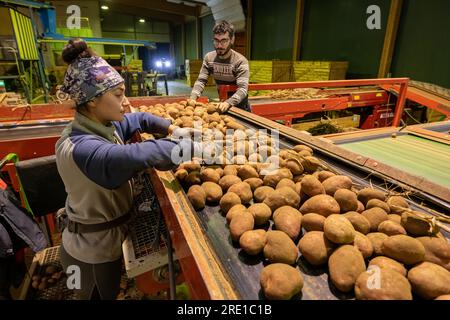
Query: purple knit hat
[{"x": 89, "y": 77}]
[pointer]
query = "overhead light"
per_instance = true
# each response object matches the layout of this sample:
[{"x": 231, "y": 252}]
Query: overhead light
[
  {"x": 104, "y": 7},
  {"x": 141, "y": 20}
]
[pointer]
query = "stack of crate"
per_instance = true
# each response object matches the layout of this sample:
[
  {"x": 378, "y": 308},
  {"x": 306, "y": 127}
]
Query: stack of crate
[
  {"x": 319, "y": 70},
  {"x": 192, "y": 71},
  {"x": 263, "y": 71}
]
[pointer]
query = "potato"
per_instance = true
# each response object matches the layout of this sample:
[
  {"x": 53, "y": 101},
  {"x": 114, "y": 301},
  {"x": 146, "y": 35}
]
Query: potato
[
  {"x": 346, "y": 199},
  {"x": 417, "y": 226},
  {"x": 311, "y": 186},
  {"x": 280, "y": 248},
  {"x": 280, "y": 281},
  {"x": 332, "y": 184},
  {"x": 377, "y": 239},
  {"x": 219, "y": 171},
  {"x": 261, "y": 213},
  {"x": 231, "y": 169},
  {"x": 436, "y": 251},
  {"x": 235, "y": 210},
  {"x": 443, "y": 297},
  {"x": 181, "y": 174},
  {"x": 253, "y": 241},
  {"x": 429, "y": 280},
  {"x": 391, "y": 228},
  {"x": 272, "y": 179},
  {"x": 298, "y": 187},
  {"x": 49, "y": 270},
  {"x": 404, "y": 249},
  {"x": 324, "y": 175},
  {"x": 243, "y": 190},
  {"x": 388, "y": 263},
  {"x": 311, "y": 164},
  {"x": 338, "y": 229},
  {"x": 197, "y": 196},
  {"x": 375, "y": 216},
  {"x": 285, "y": 182},
  {"x": 35, "y": 284},
  {"x": 313, "y": 222},
  {"x": 262, "y": 192},
  {"x": 240, "y": 223},
  {"x": 397, "y": 201},
  {"x": 288, "y": 220},
  {"x": 359, "y": 222},
  {"x": 366, "y": 194},
  {"x": 295, "y": 166},
  {"x": 395, "y": 218},
  {"x": 322, "y": 204},
  {"x": 372, "y": 203},
  {"x": 190, "y": 166},
  {"x": 363, "y": 244},
  {"x": 213, "y": 192},
  {"x": 254, "y": 183},
  {"x": 234, "y": 125},
  {"x": 301, "y": 147},
  {"x": 229, "y": 200},
  {"x": 284, "y": 196},
  {"x": 345, "y": 265},
  {"x": 361, "y": 207},
  {"x": 390, "y": 285},
  {"x": 247, "y": 171},
  {"x": 209, "y": 174},
  {"x": 193, "y": 178},
  {"x": 227, "y": 181},
  {"x": 316, "y": 248}
]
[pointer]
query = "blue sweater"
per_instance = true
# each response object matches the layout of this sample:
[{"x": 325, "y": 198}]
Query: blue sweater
[{"x": 96, "y": 167}]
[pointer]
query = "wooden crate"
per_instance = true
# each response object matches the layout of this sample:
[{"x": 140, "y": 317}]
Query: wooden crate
[
  {"x": 193, "y": 66},
  {"x": 192, "y": 77},
  {"x": 344, "y": 122},
  {"x": 319, "y": 70},
  {"x": 263, "y": 71}
]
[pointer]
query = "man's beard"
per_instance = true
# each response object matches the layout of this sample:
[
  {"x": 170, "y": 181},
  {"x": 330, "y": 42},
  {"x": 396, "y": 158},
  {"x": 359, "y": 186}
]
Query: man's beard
[{"x": 223, "y": 52}]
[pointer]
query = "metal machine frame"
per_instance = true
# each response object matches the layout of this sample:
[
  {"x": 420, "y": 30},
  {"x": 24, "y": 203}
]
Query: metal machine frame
[{"x": 290, "y": 109}]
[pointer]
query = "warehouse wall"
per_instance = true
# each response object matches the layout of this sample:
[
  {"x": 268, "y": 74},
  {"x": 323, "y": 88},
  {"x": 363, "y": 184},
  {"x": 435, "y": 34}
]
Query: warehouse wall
[
  {"x": 422, "y": 50},
  {"x": 336, "y": 30},
  {"x": 273, "y": 29},
  {"x": 191, "y": 40},
  {"x": 178, "y": 45},
  {"x": 124, "y": 26},
  {"x": 207, "y": 24}
]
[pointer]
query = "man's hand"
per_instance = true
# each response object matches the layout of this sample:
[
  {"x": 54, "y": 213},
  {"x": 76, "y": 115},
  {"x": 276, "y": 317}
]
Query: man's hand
[
  {"x": 224, "y": 106},
  {"x": 191, "y": 102}
]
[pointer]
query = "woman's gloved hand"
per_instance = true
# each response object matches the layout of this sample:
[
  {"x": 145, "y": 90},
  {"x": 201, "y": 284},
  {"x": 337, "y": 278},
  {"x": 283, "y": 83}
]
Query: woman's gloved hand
[{"x": 178, "y": 132}]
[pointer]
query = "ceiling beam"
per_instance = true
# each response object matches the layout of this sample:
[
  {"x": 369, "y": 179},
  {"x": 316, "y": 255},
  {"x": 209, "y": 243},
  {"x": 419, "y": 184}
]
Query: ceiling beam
[
  {"x": 141, "y": 12},
  {"x": 160, "y": 5}
]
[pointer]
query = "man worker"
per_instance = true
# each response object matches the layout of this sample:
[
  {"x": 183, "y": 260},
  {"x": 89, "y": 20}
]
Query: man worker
[{"x": 227, "y": 66}]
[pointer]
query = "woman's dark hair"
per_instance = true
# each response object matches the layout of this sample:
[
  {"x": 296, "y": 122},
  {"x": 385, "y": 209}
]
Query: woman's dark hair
[
  {"x": 222, "y": 27},
  {"x": 76, "y": 48}
]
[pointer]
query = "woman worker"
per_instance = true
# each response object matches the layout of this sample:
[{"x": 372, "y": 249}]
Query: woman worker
[{"x": 96, "y": 167}]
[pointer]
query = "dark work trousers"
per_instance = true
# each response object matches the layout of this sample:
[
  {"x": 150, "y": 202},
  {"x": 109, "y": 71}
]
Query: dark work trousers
[{"x": 100, "y": 281}]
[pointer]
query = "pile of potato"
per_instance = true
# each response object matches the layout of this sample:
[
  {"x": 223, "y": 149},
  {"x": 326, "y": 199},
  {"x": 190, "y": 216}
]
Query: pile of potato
[
  {"x": 299, "y": 93},
  {"x": 372, "y": 243},
  {"x": 50, "y": 276},
  {"x": 350, "y": 231}
]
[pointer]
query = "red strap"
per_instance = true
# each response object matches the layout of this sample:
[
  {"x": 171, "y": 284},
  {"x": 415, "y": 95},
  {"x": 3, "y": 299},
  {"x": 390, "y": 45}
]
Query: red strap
[{"x": 3, "y": 185}]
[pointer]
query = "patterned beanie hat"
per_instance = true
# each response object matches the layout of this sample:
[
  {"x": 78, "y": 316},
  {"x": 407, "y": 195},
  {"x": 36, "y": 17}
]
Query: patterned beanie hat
[{"x": 89, "y": 77}]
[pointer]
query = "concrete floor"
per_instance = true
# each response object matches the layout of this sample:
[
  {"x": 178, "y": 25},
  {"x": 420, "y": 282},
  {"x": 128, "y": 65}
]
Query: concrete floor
[{"x": 179, "y": 87}]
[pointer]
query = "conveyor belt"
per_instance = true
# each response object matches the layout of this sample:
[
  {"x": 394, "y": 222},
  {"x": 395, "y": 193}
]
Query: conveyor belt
[{"x": 244, "y": 271}]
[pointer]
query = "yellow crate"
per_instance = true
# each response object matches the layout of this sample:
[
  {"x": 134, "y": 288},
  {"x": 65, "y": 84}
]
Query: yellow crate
[
  {"x": 319, "y": 70},
  {"x": 192, "y": 77},
  {"x": 193, "y": 66},
  {"x": 265, "y": 71}
]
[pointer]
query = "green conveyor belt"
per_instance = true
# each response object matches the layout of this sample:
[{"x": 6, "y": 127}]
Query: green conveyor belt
[{"x": 409, "y": 153}]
